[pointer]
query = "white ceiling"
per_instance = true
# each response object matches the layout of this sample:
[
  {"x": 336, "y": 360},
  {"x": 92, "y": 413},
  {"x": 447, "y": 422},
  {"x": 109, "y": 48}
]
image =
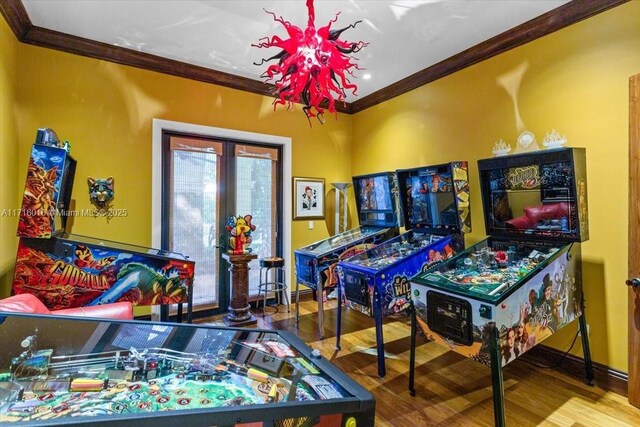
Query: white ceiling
[{"x": 405, "y": 36}]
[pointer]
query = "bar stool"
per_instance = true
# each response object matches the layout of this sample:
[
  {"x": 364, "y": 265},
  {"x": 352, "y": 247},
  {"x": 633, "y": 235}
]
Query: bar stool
[{"x": 266, "y": 286}]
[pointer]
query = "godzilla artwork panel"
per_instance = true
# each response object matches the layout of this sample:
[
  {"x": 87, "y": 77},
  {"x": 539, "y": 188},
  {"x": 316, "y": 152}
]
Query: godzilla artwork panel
[{"x": 67, "y": 274}]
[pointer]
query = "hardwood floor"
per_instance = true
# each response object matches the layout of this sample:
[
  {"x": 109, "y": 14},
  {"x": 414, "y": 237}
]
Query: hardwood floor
[{"x": 450, "y": 389}]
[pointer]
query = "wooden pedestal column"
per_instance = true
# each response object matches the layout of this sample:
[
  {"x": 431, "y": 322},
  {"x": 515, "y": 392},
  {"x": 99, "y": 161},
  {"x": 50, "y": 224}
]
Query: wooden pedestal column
[{"x": 239, "y": 309}]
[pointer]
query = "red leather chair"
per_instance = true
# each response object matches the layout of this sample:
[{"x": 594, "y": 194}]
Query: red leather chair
[{"x": 28, "y": 303}]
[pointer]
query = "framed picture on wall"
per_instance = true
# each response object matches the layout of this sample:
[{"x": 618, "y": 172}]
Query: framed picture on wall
[{"x": 308, "y": 198}]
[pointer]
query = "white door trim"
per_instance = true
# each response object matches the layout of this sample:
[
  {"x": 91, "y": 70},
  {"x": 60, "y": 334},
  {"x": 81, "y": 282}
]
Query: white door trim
[{"x": 213, "y": 132}]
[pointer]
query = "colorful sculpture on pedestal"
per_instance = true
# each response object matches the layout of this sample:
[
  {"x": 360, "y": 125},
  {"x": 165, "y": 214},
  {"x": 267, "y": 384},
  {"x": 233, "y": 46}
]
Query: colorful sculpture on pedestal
[{"x": 239, "y": 229}]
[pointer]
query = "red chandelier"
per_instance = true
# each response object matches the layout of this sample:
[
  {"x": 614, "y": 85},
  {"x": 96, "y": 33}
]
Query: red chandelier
[{"x": 313, "y": 66}]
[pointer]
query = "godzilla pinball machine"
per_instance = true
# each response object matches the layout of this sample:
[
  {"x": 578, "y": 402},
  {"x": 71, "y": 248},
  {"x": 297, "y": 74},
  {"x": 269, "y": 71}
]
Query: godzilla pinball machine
[{"x": 65, "y": 270}]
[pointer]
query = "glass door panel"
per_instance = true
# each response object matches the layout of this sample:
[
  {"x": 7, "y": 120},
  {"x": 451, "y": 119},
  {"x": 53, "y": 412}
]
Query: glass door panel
[
  {"x": 256, "y": 177},
  {"x": 194, "y": 213}
]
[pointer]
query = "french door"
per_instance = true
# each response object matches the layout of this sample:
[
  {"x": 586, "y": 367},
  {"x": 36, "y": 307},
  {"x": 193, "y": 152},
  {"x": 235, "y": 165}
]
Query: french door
[{"x": 205, "y": 181}]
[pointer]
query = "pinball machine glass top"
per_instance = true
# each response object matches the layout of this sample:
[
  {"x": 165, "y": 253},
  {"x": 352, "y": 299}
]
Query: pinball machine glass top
[
  {"x": 393, "y": 250},
  {"x": 536, "y": 196},
  {"x": 337, "y": 241},
  {"x": 377, "y": 204},
  {"x": 141, "y": 354},
  {"x": 490, "y": 269},
  {"x": 126, "y": 247}
]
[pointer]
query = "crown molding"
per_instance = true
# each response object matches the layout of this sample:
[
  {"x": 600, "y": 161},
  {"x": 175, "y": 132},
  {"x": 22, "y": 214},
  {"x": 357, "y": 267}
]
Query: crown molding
[
  {"x": 16, "y": 16},
  {"x": 554, "y": 20},
  {"x": 43, "y": 37}
]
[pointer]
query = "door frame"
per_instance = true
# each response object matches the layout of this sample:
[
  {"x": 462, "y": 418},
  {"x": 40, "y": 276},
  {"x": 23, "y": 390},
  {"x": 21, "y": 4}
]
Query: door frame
[
  {"x": 160, "y": 126},
  {"x": 633, "y": 384}
]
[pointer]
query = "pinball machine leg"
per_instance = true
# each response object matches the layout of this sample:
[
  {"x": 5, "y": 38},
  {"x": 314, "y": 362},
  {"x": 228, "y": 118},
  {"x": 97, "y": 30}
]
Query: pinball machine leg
[
  {"x": 377, "y": 314},
  {"x": 339, "y": 321},
  {"x": 190, "y": 304},
  {"x": 412, "y": 354},
  {"x": 297, "y": 302},
  {"x": 285, "y": 294},
  {"x": 320, "y": 295},
  {"x": 586, "y": 349},
  {"x": 179, "y": 313},
  {"x": 496, "y": 379}
]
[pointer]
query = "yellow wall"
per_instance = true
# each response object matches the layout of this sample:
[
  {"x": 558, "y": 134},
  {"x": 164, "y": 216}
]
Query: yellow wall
[
  {"x": 8, "y": 156},
  {"x": 106, "y": 112},
  {"x": 574, "y": 80}
]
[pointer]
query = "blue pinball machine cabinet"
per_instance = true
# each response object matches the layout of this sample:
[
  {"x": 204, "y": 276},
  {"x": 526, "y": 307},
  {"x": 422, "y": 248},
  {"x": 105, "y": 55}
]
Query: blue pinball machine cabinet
[
  {"x": 378, "y": 214},
  {"x": 435, "y": 208},
  {"x": 502, "y": 296}
]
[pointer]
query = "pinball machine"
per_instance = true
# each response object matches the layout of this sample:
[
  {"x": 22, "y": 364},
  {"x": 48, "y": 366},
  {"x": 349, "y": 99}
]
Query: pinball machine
[
  {"x": 506, "y": 294},
  {"x": 377, "y": 205},
  {"x": 435, "y": 208},
  {"x": 127, "y": 373},
  {"x": 65, "y": 270}
]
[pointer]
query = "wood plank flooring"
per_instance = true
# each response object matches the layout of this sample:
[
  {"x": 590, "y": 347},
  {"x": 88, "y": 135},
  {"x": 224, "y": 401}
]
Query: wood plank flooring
[{"x": 450, "y": 389}]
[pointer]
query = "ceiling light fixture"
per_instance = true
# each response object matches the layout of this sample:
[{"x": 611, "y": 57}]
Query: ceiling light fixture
[
  {"x": 366, "y": 76},
  {"x": 313, "y": 66}
]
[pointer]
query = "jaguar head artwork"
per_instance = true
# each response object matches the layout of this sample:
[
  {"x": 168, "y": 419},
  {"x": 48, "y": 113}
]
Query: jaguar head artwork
[{"x": 100, "y": 191}]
